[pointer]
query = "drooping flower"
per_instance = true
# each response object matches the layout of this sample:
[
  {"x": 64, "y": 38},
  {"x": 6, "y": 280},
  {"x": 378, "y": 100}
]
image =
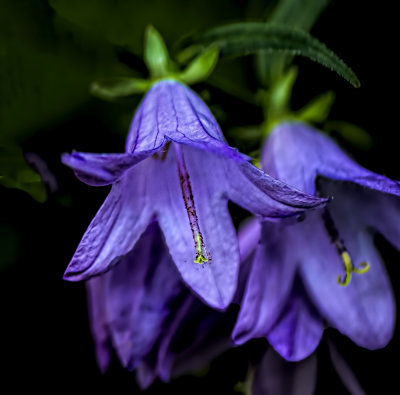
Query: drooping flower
[
  {"x": 315, "y": 271},
  {"x": 150, "y": 319},
  {"x": 177, "y": 169}
]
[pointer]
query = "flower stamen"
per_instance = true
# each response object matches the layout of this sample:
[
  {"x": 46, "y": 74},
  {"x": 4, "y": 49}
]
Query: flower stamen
[
  {"x": 202, "y": 255},
  {"x": 342, "y": 250},
  {"x": 349, "y": 268}
]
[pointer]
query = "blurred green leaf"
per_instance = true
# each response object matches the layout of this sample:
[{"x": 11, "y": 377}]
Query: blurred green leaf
[
  {"x": 301, "y": 14},
  {"x": 116, "y": 88},
  {"x": 355, "y": 135},
  {"x": 201, "y": 67},
  {"x": 247, "y": 38},
  {"x": 318, "y": 109},
  {"x": 46, "y": 67},
  {"x": 122, "y": 22},
  {"x": 156, "y": 54},
  {"x": 15, "y": 173},
  {"x": 298, "y": 13},
  {"x": 246, "y": 133},
  {"x": 9, "y": 245}
]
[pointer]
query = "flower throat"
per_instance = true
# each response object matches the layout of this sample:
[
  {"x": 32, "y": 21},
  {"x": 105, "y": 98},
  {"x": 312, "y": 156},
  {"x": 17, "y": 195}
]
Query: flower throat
[
  {"x": 342, "y": 250},
  {"x": 202, "y": 255}
]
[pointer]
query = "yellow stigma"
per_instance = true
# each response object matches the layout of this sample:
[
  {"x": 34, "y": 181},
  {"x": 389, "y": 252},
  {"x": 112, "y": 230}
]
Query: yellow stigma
[
  {"x": 201, "y": 253},
  {"x": 349, "y": 268}
]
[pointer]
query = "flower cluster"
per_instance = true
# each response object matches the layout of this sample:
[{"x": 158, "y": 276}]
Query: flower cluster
[{"x": 162, "y": 256}]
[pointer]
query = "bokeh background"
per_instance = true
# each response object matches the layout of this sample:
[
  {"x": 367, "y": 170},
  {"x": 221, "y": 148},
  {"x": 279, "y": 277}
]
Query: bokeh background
[{"x": 50, "y": 51}]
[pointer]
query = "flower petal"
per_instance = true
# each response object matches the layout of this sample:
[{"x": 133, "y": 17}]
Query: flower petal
[
  {"x": 194, "y": 337},
  {"x": 363, "y": 310},
  {"x": 139, "y": 290},
  {"x": 172, "y": 111},
  {"x": 299, "y": 329},
  {"x": 99, "y": 322},
  {"x": 261, "y": 194},
  {"x": 296, "y": 153},
  {"x": 249, "y": 234},
  {"x": 102, "y": 169},
  {"x": 269, "y": 284},
  {"x": 215, "y": 280},
  {"x": 375, "y": 210},
  {"x": 276, "y": 376},
  {"x": 116, "y": 227}
]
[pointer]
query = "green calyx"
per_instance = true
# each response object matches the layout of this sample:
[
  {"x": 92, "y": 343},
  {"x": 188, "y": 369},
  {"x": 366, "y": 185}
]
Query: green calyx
[
  {"x": 276, "y": 104},
  {"x": 160, "y": 66}
]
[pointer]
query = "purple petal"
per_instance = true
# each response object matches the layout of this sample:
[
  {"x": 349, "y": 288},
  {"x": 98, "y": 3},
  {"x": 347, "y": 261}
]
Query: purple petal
[
  {"x": 299, "y": 329},
  {"x": 276, "y": 376},
  {"x": 139, "y": 290},
  {"x": 102, "y": 169},
  {"x": 171, "y": 111},
  {"x": 208, "y": 332},
  {"x": 164, "y": 356},
  {"x": 363, "y": 310},
  {"x": 261, "y": 194},
  {"x": 296, "y": 153},
  {"x": 269, "y": 283},
  {"x": 215, "y": 280},
  {"x": 99, "y": 322},
  {"x": 376, "y": 210},
  {"x": 248, "y": 237},
  {"x": 344, "y": 371},
  {"x": 116, "y": 227}
]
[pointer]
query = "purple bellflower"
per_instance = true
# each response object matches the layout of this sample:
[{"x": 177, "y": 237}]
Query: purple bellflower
[
  {"x": 309, "y": 273},
  {"x": 178, "y": 170},
  {"x": 150, "y": 319}
]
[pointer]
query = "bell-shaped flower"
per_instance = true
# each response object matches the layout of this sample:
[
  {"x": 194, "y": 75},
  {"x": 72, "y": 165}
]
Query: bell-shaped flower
[
  {"x": 150, "y": 319},
  {"x": 324, "y": 269},
  {"x": 178, "y": 170}
]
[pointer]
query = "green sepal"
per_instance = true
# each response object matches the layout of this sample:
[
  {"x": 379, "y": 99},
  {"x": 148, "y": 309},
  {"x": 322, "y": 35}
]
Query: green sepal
[
  {"x": 15, "y": 173},
  {"x": 156, "y": 54},
  {"x": 240, "y": 39},
  {"x": 280, "y": 93},
  {"x": 201, "y": 67},
  {"x": 116, "y": 88},
  {"x": 318, "y": 109}
]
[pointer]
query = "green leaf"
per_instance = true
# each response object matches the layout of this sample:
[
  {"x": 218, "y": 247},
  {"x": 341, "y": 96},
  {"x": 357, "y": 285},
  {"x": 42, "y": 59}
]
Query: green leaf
[
  {"x": 247, "y": 38},
  {"x": 300, "y": 14},
  {"x": 318, "y": 109},
  {"x": 355, "y": 135},
  {"x": 201, "y": 67},
  {"x": 116, "y": 88},
  {"x": 15, "y": 173},
  {"x": 155, "y": 53}
]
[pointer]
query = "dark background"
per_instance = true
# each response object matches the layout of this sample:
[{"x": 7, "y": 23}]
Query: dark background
[{"x": 50, "y": 53}]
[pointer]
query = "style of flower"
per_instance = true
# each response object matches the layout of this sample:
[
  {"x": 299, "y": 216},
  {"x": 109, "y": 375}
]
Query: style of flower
[
  {"x": 309, "y": 273},
  {"x": 178, "y": 170}
]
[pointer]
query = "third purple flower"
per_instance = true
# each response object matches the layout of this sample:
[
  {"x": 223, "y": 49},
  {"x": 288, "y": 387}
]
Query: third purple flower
[{"x": 325, "y": 268}]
